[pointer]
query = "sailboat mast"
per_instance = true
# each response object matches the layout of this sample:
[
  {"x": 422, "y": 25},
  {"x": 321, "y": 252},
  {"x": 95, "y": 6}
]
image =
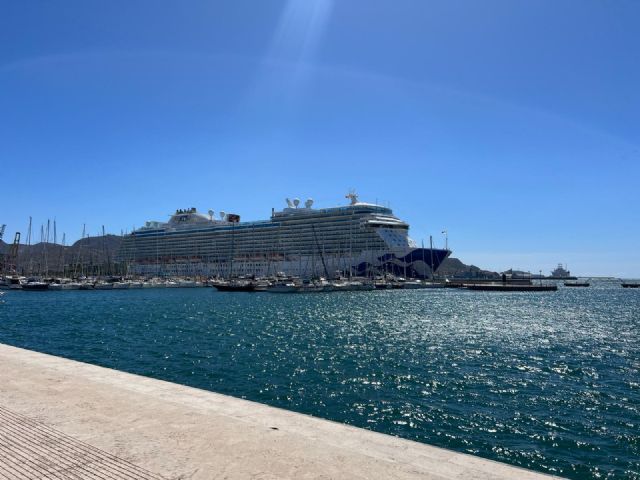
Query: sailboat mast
[
  {"x": 104, "y": 252},
  {"x": 46, "y": 253},
  {"x": 63, "y": 253},
  {"x": 78, "y": 258},
  {"x": 29, "y": 233}
]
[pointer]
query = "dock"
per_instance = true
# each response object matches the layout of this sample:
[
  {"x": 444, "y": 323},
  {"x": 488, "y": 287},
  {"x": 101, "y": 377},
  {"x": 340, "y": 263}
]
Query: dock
[
  {"x": 502, "y": 287},
  {"x": 61, "y": 418}
]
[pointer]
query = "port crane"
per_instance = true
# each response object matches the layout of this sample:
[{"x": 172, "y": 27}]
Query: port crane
[{"x": 11, "y": 258}]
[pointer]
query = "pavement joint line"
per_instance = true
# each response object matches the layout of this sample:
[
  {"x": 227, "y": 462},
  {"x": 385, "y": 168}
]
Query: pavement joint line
[
  {"x": 99, "y": 455},
  {"x": 32, "y": 450}
]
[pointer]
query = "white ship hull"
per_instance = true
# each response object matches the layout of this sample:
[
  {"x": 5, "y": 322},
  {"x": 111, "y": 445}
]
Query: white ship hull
[{"x": 303, "y": 266}]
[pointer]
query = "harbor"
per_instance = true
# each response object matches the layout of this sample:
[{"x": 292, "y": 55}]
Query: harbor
[
  {"x": 527, "y": 379},
  {"x": 320, "y": 239}
]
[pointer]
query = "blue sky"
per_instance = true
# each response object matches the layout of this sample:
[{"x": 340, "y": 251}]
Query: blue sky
[{"x": 515, "y": 125}]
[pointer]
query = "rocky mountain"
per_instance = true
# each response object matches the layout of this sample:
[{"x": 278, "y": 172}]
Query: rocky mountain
[{"x": 453, "y": 267}]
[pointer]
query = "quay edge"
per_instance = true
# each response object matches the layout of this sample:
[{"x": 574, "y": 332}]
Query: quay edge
[{"x": 182, "y": 432}]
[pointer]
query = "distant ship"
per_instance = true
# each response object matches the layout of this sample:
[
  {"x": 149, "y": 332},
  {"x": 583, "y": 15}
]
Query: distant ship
[
  {"x": 356, "y": 239},
  {"x": 561, "y": 273}
]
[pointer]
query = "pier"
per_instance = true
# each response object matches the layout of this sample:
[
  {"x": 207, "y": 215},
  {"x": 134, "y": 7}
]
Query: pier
[{"x": 64, "y": 419}]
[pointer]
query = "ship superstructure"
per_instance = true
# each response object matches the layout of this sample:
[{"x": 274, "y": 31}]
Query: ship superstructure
[{"x": 358, "y": 238}]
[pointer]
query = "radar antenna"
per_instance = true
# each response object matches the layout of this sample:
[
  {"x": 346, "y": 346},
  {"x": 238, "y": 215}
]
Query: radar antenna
[
  {"x": 289, "y": 203},
  {"x": 353, "y": 196},
  {"x": 308, "y": 203},
  {"x": 211, "y": 212},
  {"x": 296, "y": 202}
]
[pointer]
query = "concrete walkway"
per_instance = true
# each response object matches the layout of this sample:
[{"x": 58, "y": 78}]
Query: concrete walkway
[
  {"x": 65, "y": 415},
  {"x": 30, "y": 449}
]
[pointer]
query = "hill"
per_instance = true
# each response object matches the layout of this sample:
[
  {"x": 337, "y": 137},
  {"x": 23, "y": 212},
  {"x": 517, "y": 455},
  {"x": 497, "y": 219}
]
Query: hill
[{"x": 93, "y": 253}]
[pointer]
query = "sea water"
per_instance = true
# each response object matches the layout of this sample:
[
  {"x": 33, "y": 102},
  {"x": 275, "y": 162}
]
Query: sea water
[{"x": 548, "y": 381}]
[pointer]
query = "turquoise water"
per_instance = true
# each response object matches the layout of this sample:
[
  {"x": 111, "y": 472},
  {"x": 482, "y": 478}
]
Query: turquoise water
[{"x": 547, "y": 381}]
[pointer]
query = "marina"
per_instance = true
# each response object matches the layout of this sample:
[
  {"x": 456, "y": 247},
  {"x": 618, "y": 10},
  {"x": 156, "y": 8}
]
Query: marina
[{"x": 286, "y": 284}]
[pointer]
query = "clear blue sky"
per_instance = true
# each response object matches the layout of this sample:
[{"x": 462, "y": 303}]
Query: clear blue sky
[{"x": 515, "y": 125}]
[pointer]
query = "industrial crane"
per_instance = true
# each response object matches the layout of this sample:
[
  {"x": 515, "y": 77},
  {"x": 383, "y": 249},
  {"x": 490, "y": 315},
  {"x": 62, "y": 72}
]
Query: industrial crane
[{"x": 11, "y": 259}]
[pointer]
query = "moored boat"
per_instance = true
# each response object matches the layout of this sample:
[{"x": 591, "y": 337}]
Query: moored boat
[
  {"x": 35, "y": 286},
  {"x": 235, "y": 287},
  {"x": 13, "y": 282},
  {"x": 283, "y": 287}
]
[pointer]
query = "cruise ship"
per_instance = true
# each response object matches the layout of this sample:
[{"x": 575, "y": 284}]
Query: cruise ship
[{"x": 359, "y": 238}]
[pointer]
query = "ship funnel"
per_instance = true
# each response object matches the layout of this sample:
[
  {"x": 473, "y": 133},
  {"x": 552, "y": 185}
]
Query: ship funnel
[
  {"x": 296, "y": 202},
  {"x": 308, "y": 203}
]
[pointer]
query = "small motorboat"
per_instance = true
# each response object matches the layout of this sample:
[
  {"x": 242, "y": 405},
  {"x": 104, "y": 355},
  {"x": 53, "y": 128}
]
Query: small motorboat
[{"x": 235, "y": 286}]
